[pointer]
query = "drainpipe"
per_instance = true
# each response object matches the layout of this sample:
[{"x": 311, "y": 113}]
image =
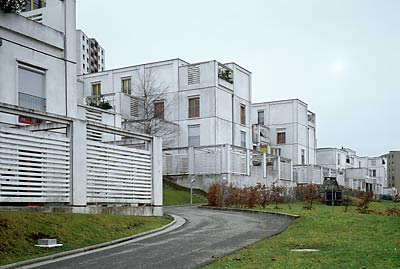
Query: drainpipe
[
  {"x": 233, "y": 119},
  {"x": 65, "y": 59}
]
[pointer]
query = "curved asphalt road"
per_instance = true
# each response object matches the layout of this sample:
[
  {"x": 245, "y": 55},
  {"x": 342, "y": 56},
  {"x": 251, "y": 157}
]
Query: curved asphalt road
[{"x": 208, "y": 234}]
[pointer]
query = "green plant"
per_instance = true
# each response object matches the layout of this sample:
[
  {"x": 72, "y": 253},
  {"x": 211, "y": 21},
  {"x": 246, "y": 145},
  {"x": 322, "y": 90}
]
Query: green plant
[{"x": 12, "y": 6}]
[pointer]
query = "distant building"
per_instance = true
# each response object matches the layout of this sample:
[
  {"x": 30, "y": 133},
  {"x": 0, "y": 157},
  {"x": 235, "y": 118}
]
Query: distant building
[
  {"x": 393, "y": 165},
  {"x": 90, "y": 55},
  {"x": 290, "y": 127},
  {"x": 355, "y": 172}
]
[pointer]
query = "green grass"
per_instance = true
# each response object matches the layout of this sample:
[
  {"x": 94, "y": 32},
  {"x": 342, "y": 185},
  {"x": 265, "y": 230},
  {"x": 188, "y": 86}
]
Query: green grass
[
  {"x": 19, "y": 231},
  {"x": 177, "y": 195},
  {"x": 345, "y": 240}
]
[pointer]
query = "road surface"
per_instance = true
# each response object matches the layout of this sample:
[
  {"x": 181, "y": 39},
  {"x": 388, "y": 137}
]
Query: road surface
[{"x": 207, "y": 234}]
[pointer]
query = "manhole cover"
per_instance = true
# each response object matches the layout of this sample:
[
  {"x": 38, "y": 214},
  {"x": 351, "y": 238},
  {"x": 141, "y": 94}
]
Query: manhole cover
[{"x": 304, "y": 250}]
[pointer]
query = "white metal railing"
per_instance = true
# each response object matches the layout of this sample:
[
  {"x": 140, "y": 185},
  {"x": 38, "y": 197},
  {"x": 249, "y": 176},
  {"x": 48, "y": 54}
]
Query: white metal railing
[
  {"x": 208, "y": 160},
  {"x": 34, "y": 167},
  {"x": 118, "y": 174},
  {"x": 175, "y": 163},
  {"x": 239, "y": 160},
  {"x": 286, "y": 172},
  {"x": 31, "y": 101}
]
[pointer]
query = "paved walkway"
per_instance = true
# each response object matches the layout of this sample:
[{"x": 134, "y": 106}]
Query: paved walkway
[{"x": 206, "y": 235}]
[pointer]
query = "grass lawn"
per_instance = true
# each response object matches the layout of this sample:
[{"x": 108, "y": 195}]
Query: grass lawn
[
  {"x": 345, "y": 240},
  {"x": 19, "y": 231},
  {"x": 177, "y": 195}
]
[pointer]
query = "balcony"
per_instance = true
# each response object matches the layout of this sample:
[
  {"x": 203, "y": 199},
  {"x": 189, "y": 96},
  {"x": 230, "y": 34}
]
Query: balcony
[
  {"x": 261, "y": 134},
  {"x": 311, "y": 118}
]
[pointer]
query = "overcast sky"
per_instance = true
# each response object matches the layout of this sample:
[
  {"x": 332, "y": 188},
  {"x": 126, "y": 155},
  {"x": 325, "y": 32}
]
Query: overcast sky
[{"x": 342, "y": 57}]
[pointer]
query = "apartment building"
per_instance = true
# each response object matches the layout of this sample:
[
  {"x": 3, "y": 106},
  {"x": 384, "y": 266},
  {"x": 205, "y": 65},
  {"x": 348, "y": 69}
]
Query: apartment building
[
  {"x": 90, "y": 54},
  {"x": 353, "y": 171},
  {"x": 51, "y": 147},
  {"x": 393, "y": 167},
  {"x": 204, "y": 104},
  {"x": 285, "y": 128},
  {"x": 38, "y": 60}
]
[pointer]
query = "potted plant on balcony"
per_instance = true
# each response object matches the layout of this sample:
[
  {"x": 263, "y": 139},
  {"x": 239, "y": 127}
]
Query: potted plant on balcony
[{"x": 98, "y": 102}]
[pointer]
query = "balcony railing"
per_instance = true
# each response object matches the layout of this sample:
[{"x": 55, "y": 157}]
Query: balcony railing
[{"x": 31, "y": 101}]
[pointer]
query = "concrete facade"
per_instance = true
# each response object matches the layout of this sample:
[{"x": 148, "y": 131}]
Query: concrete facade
[
  {"x": 45, "y": 51},
  {"x": 220, "y": 101},
  {"x": 293, "y": 120}
]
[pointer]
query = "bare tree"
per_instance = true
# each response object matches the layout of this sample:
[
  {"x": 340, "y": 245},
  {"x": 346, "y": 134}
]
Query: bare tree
[
  {"x": 153, "y": 106},
  {"x": 12, "y": 6}
]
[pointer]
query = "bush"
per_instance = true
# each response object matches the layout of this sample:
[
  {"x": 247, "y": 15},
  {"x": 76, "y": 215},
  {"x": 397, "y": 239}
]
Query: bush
[
  {"x": 213, "y": 195},
  {"x": 364, "y": 203},
  {"x": 310, "y": 194},
  {"x": 393, "y": 212}
]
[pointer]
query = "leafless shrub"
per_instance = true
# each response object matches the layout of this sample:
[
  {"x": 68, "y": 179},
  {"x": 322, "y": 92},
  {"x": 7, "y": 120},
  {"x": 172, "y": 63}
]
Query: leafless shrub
[{"x": 364, "y": 203}]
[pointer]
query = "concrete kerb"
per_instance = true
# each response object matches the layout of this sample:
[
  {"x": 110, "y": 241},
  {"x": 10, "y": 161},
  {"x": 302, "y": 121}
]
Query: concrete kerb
[
  {"x": 249, "y": 211},
  {"x": 175, "y": 224}
]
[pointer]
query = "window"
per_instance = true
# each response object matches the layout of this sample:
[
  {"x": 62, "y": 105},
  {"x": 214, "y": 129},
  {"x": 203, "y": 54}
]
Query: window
[
  {"x": 83, "y": 47},
  {"x": 96, "y": 89},
  {"x": 126, "y": 85},
  {"x": 34, "y": 4},
  {"x": 83, "y": 38},
  {"x": 281, "y": 137},
  {"x": 373, "y": 162},
  {"x": 83, "y": 56},
  {"x": 242, "y": 114},
  {"x": 31, "y": 88},
  {"x": 83, "y": 65},
  {"x": 194, "y": 135},
  {"x": 31, "y": 91},
  {"x": 374, "y": 173},
  {"x": 242, "y": 139},
  {"x": 303, "y": 156},
  {"x": 276, "y": 151},
  {"x": 159, "y": 109},
  {"x": 338, "y": 159},
  {"x": 260, "y": 117},
  {"x": 194, "y": 107}
]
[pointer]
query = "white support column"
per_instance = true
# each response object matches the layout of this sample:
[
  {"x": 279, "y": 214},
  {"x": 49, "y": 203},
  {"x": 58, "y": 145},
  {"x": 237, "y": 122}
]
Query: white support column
[
  {"x": 226, "y": 168},
  {"x": 156, "y": 166},
  {"x": 264, "y": 165},
  {"x": 77, "y": 132},
  {"x": 278, "y": 163},
  {"x": 191, "y": 161},
  {"x": 291, "y": 170},
  {"x": 226, "y": 159},
  {"x": 248, "y": 162}
]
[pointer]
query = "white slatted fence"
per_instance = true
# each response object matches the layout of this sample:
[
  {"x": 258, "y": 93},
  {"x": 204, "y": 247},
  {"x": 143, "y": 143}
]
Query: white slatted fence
[
  {"x": 34, "y": 167},
  {"x": 117, "y": 174}
]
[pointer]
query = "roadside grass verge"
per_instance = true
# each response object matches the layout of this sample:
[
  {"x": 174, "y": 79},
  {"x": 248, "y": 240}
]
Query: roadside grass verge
[
  {"x": 177, "y": 195},
  {"x": 344, "y": 240},
  {"x": 19, "y": 231}
]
